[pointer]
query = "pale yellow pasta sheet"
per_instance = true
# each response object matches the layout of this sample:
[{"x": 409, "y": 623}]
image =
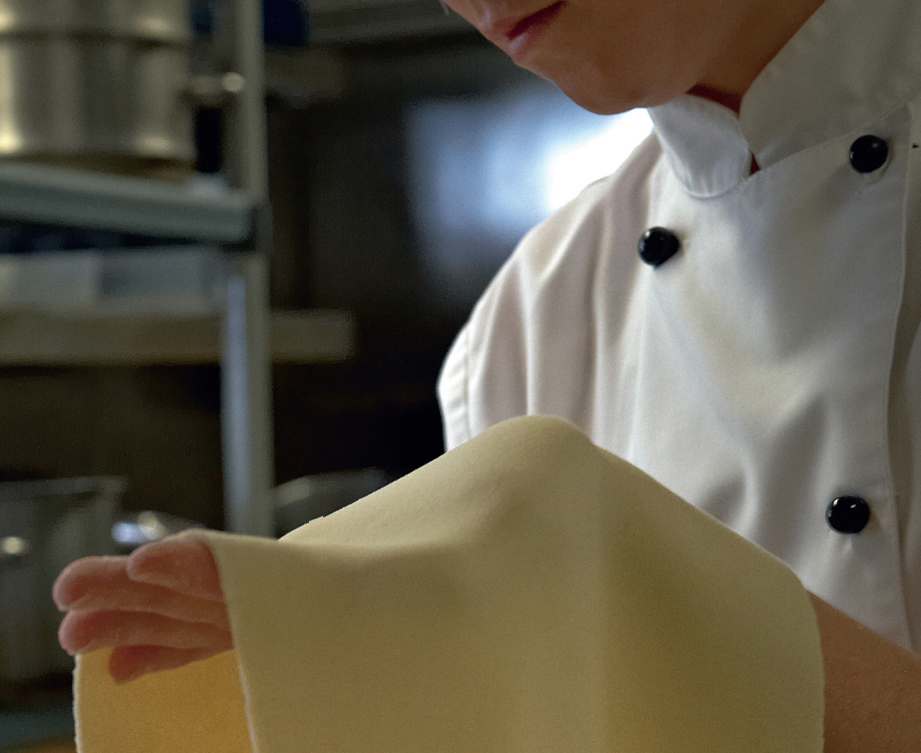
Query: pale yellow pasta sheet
[{"x": 525, "y": 593}]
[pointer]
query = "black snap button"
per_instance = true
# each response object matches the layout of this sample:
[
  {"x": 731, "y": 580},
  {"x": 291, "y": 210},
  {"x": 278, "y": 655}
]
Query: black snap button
[
  {"x": 657, "y": 245},
  {"x": 848, "y": 514},
  {"x": 868, "y": 154}
]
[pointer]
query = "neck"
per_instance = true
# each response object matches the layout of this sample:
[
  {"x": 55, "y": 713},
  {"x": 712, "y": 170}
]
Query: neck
[
  {"x": 727, "y": 99},
  {"x": 762, "y": 33}
]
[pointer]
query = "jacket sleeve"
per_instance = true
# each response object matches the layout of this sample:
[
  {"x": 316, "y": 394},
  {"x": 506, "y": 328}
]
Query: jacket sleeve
[{"x": 453, "y": 392}]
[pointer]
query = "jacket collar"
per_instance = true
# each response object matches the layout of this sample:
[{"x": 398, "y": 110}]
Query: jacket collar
[{"x": 849, "y": 65}]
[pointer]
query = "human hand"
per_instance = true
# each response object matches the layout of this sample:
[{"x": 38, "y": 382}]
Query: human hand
[{"x": 159, "y": 608}]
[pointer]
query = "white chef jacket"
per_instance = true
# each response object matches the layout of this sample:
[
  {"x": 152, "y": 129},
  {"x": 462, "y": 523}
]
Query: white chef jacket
[{"x": 774, "y": 363}]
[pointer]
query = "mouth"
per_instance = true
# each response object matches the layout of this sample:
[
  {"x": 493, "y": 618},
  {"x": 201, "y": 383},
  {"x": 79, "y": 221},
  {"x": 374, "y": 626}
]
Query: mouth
[
  {"x": 513, "y": 34},
  {"x": 515, "y": 29}
]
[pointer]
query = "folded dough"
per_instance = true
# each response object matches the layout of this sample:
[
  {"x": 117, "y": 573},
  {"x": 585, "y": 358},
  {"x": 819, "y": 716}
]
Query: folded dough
[{"x": 526, "y": 592}]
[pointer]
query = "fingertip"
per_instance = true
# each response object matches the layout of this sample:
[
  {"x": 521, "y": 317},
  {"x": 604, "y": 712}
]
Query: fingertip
[
  {"x": 67, "y": 635},
  {"x": 121, "y": 673},
  {"x": 82, "y": 575},
  {"x": 62, "y": 599},
  {"x": 127, "y": 663},
  {"x": 66, "y": 588},
  {"x": 121, "y": 677}
]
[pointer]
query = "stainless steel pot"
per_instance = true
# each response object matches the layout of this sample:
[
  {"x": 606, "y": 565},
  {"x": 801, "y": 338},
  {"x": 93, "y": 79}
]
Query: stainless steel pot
[
  {"x": 99, "y": 82},
  {"x": 45, "y": 525}
]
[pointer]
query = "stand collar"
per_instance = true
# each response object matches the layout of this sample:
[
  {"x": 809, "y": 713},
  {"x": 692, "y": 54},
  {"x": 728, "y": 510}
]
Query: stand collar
[{"x": 851, "y": 63}]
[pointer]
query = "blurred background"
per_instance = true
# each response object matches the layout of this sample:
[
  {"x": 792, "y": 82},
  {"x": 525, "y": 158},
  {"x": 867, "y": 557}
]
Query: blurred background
[{"x": 401, "y": 158}]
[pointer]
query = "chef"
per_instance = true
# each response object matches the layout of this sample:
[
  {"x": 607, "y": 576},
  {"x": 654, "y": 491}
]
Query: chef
[{"x": 735, "y": 312}]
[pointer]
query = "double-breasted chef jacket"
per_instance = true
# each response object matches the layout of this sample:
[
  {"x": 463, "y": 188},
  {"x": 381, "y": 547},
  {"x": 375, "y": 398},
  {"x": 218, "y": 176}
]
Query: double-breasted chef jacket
[{"x": 763, "y": 360}]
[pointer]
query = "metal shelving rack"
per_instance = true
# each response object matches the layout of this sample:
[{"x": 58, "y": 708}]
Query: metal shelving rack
[
  {"x": 56, "y": 196},
  {"x": 236, "y": 218}
]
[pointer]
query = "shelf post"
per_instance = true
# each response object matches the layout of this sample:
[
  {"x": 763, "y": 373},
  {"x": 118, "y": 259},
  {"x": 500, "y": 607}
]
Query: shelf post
[
  {"x": 246, "y": 398},
  {"x": 246, "y": 368}
]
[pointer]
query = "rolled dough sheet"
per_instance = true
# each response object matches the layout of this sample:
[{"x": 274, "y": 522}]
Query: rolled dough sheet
[{"x": 525, "y": 593}]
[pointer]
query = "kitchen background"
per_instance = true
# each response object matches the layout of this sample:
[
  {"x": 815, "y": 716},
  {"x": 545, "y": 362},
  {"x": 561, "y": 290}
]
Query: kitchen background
[{"x": 406, "y": 157}]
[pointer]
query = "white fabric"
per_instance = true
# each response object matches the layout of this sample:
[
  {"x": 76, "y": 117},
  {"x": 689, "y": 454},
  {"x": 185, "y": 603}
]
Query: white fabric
[
  {"x": 525, "y": 593},
  {"x": 774, "y": 364}
]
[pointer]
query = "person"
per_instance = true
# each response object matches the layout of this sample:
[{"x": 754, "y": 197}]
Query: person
[{"x": 758, "y": 356}]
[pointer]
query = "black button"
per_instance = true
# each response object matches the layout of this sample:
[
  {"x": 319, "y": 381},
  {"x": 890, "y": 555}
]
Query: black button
[
  {"x": 657, "y": 245},
  {"x": 848, "y": 515},
  {"x": 868, "y": 154}
]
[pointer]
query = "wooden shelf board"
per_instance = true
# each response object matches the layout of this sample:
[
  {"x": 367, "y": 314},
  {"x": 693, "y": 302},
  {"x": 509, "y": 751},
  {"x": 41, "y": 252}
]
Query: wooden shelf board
[{"x": 43, "y": 338}]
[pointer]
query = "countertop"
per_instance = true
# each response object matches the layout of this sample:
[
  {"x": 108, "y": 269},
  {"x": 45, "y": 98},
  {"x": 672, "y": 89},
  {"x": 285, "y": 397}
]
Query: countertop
[
  {"x": 44, "y": 727},
  {"x": 63, "y": 746}
]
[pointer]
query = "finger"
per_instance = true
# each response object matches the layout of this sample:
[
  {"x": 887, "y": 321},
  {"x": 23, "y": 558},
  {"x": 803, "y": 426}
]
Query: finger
[
  {"x": 102, "y": 584},
  {"x": 79, "y": 577},
  {"x": 183, "y": 563},
  {"x": 85, "y": 631},
  {"x": 130, "y": 662},
  {"x": 121, "y": 594}
]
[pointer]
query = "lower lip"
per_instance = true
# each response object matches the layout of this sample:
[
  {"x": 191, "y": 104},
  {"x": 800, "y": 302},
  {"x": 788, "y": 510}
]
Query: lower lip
[{"x": 526, "y": 33}]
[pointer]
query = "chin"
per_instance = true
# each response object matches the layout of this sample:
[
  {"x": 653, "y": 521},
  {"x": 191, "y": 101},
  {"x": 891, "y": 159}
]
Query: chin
[
  {"x": 603, "y": 102},
  {"x": 602, "y": 106},
  {"x": 603, "y": 92}
]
